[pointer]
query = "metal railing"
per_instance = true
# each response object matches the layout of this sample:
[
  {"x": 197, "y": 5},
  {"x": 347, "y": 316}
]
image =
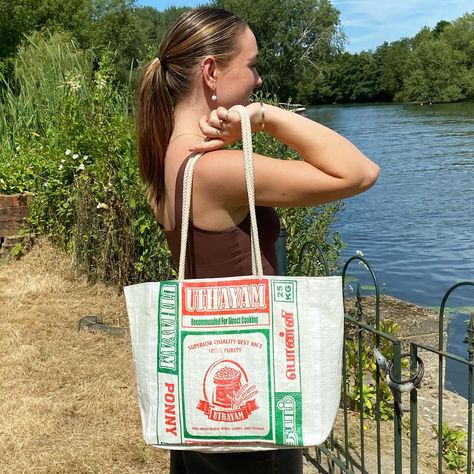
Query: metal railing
[{"x": 377, "y": 375}]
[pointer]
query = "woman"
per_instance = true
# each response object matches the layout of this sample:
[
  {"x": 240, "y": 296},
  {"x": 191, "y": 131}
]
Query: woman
[{"x": 207, "y": 64}]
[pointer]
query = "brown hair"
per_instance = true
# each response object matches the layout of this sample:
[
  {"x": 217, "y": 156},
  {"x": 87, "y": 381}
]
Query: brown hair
[{"x": 170, "y": 77}]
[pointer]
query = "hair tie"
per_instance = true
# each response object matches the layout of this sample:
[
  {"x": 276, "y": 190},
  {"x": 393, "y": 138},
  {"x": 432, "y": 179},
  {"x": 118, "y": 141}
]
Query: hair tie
[{"x": 161, "y": 61}]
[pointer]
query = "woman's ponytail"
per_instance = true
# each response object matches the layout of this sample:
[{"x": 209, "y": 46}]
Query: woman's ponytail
[{"x": 155, "y": 125}]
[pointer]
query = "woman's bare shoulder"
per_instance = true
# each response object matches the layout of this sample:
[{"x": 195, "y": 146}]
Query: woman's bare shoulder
[{"x": 221, "y": 175}]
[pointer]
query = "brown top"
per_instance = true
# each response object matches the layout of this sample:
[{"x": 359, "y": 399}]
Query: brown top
[{"x": 225, "y": 253}]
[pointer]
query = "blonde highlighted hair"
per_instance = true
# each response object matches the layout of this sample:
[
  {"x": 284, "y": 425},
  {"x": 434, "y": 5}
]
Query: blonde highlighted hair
[{"x": 170, "y": 78}]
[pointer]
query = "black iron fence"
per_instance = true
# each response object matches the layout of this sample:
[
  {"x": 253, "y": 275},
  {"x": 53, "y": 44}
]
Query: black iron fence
[{"x": 380, "y": 428}]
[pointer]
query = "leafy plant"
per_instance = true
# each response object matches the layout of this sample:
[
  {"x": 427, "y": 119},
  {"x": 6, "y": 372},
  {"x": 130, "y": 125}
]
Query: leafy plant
[{"x": 454, "y": 447}]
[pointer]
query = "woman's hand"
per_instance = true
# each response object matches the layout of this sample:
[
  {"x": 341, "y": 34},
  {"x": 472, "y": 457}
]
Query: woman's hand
[{"x": 222, "y": 127}]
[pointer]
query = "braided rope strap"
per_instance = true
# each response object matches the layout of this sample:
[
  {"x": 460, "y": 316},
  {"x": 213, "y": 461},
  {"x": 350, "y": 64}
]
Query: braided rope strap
[{"x": 257, "y": 267}]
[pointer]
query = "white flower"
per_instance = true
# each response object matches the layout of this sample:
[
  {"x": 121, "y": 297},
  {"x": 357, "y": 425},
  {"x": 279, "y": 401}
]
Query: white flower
[
  {"x": 86, "y": 157},
  {"x": 102, "y": 205},
  {"x": 18, "y": 148},
  {"x": 359, "y": 253},
  {"x": 81, "y": 167},
  {"x": 100, "y": 82},
  {"x": 62, "y": 161},
  {"x": 75, "y": 156},
  {"x": 61, "y": 166},
  {"x": 67, "y": 152},
  {"x": 74, "y": 83}
]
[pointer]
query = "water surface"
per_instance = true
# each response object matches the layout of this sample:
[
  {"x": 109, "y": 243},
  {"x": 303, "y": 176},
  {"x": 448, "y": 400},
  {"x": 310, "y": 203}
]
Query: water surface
[{"x": 416, "y": 225}]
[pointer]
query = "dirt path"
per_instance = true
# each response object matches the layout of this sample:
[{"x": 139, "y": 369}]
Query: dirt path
[{"x": 67, "y": 398}]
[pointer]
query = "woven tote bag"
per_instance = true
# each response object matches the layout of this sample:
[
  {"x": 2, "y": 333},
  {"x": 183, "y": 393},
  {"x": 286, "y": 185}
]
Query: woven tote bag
[{"x": 241, "y": 363}]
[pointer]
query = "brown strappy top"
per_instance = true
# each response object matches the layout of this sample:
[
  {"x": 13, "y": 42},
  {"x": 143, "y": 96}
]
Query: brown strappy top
[{"x": 214, "y": 254}]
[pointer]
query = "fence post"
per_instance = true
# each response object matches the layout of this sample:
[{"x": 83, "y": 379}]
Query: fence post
[
  {"x": 413, "y": 415},
  {"x": 470, "y": 350},
  {"x": 397, "y": 398}
]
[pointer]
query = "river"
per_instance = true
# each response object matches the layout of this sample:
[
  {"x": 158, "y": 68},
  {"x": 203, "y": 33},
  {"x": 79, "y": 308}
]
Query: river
[{"x": 416, "y": 225}]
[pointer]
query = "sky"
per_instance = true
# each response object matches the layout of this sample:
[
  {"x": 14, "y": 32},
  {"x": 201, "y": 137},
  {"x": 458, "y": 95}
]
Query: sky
[{"x": 368, "y": 23}]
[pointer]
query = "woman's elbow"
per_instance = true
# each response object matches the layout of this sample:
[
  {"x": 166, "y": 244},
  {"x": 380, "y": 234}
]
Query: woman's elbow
[{"x": 369, "y": 176}]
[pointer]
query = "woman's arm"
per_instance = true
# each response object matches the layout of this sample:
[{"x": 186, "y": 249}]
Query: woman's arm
[
  {"x": 321, "y": 147},
  {"x": 333, "y": 168}
]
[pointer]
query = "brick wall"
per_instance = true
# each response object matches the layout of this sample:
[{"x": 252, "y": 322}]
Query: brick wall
[{"x": 13, "y": 210}]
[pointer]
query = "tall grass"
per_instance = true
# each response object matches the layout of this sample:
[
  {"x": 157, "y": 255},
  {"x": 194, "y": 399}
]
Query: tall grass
[
  {"x": 67, "y": 134},
  {"x": 43, "y": 65}
]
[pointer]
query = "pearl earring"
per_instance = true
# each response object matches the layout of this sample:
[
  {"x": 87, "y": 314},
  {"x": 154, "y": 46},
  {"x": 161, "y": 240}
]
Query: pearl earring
[{"x": 214, "y": 97}]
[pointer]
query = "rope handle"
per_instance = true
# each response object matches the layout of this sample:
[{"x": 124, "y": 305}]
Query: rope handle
[{"x": 257, "y": 267}]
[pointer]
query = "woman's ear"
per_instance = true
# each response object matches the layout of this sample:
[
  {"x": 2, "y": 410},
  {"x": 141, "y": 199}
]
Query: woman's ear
[{"x": 208, "y": 67}]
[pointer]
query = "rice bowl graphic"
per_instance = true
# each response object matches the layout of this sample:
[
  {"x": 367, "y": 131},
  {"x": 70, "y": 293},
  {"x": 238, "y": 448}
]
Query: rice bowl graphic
[{"x": 227, "y": 393}]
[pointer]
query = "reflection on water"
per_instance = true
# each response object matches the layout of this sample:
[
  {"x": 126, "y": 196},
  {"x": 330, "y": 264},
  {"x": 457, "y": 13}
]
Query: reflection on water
[{"x": 416, "y": 225}]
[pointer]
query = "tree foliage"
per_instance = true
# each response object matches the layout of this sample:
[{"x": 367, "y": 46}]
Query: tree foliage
[
  {"x": 296, "y": 38},
  {"x": 300, "y": 41},
  {"x": 95, "y": 24},
  {"x": 436, "y": 65}
]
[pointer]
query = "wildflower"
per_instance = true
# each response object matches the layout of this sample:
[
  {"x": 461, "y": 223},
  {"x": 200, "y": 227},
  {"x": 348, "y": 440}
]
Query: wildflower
[
  {"x": 100, "y": 82},
  {"x": 68, "y": 152},
  {"x": 86, "y": 157},
  {"x": 82, "y": 167},
  {"x": 102, "y": 205},
  {"x": 73, "y": 82},
  {"x": 61, "y": 166},
  {"x": 359, "y": 253},
  {"x": 75, "y": 156},
  {"x": 62, "y": 161},
  {"x": 18, "y": 148}
]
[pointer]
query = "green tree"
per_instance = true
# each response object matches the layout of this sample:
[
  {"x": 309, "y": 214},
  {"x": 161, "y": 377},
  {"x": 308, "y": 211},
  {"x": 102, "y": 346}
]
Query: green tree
[
  {"x": 435, "y": 73},
  {"x": 116, "y": 28},
  {"x": 153, "y": 24},
  {"x": 296, "y": 39},
  {"x": 460, "y": 36},
  {"x": 352, "y": 78},
  {"x": 392, "y": 67},
  {"x": 20, "y": 17},
  {"x": 96, "y": 24},
  {"x": 440, "y": 27}
]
